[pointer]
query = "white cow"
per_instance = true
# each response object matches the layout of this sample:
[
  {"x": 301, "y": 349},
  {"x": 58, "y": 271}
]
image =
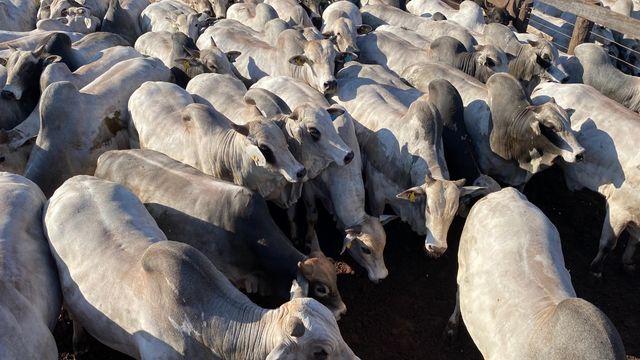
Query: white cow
[
  {"x": 78, "y": 125},
  {"x": 342, "y": 23},
  {"x": 340, "y": 188},
  {"x": 607, "y": 131},
  {"x": 30, "y": 296},
  {"x": 18, "y": 15},
  {"x": 252, "y": 15},
  {"x": 470, "y": 15},
  {"x": 400, "y": 135},
  {"x": 171, "y": 16},
  {"x": 254, "y": 155},
  {"x": 515, "y": 295},
  {"x": 171, "y": 303}
]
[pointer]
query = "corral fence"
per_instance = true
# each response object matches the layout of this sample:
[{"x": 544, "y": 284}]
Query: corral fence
[{"x": 588, "y": 13}]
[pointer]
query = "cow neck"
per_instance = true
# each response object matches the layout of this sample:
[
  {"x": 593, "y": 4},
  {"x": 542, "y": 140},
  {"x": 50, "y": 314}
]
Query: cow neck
[
  {"x": 227, "y": 158},
  {"x": 466, "y": 62}
]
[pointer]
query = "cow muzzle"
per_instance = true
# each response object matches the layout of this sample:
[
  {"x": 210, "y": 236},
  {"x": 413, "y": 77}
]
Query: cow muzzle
[
  {"x": 8, "y": 95},
  {"x": 432, "y": 248},
  {"x": 330, "y": 87}
]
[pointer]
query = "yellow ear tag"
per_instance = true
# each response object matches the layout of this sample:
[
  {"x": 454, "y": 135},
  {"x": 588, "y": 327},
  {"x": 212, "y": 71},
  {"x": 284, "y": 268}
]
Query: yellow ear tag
[
  {"x": 412, "y": 197},
  {"x": 254, "y": 158},
  {"x": 186, "y": 65},
  {"x": 349, "y": 244}
]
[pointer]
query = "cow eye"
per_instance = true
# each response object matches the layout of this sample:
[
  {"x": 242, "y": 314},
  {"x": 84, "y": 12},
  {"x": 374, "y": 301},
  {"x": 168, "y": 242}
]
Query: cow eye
[
  {"x": 321, "y": 290},
  {"x": 320, "y": 355},
  {"x": 491, "y": 63},
  {"x": 268, "y": 154},
  {"x": 315, "y": 134},
  {"x": 365, "y": 250}
]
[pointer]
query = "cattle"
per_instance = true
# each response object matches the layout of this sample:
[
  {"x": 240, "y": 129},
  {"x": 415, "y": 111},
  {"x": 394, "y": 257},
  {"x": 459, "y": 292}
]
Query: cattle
[
  {"x": 470, "y": 15},
  {"x": 254, "y": 155},
  {"x": 537, "y": 135},
  {"x": 339, "y": 187},
  {"x": 396, "y": 54},
  {"x": 269, "y": 34},
  {"x": 381, "y": 14},
  {"x": 57, "y": 8},
  {"x": 180, "y": 53},
  {"x": 77, "y": 20},
  {"x": 31, "y": 298},
  {"x": 528, "y": 64},
  {"x": 230, "y": 225},
  {"x": 592, "y": 66},
  {"x": 59, "y": 71},
  {"x": 18, "y": 15},
  {"x": 515, "y": 294},
  {"x": 172, "y": 301},
  {"x": 10, "y": 41},
  {"x": 402, "y": 145},
  {"x": 435, "y": 29},
  {"x": 310, "y": 61},
  {"x": 604, "y": 128},
  {"x": 310, "y": 135},
  {"x": 122, "y": 18},
  {"x": 342, "y": 23},
  {"x": 171, "y": 16},
  {"x": 77, "y": 126},
  {"x": 252, "y": 15},
  {"x": 291, "y": 12}
]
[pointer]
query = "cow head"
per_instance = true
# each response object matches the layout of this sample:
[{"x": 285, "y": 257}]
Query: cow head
[
  {"x": 546, "y": 58},
  {"x": 490, "y": 60},
  {"x": 306, "y": 330},
  {"x": 343, "y": 33},
  {"x": 188, "y": 25},
  {"x": 318, "y": 59},
  {"x": 268, "y": 149},
  {"x": 319, "y": 143},
  {"x": 210, "y": 60},
  {"x": 23, "y": 72},
  {"x": 534, "y": 136},
  {"x": 440, "y": 200},
  {"x": 77, "y": 20},
  {"x": 59, "y": 8},
  {"x": 14, "y": 159},
  {"x": 365, "y": 242},
  {"x": 319, "y": 273}
]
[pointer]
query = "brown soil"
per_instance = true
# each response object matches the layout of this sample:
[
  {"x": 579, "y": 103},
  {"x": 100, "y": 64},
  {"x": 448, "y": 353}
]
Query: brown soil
[{"x": 403, "y": 317}]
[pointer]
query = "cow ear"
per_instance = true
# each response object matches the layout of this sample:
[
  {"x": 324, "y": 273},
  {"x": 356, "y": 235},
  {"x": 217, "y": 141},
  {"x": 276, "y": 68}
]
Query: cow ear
[
  {"x": 192, "y": 52},
  {"x": 364, "y": 29},
  {"x": 51, "y": 59},
  {"x": 241, "y": 129},
  {"x": 533, "y": 43},
  {"x": 295, "y": 114},
  {"x": 233, "y": 55},
  {"x": 459, "y": 182},
  {"x": 306, "y": 269},
  {"x": 413, "y": 194},
  {"x": 385, "y": 219},
  {"x": 280, "y": 352},
  {"x": 469, "y": 190},
  {"x": 294, "y": 326},
  {"x": 535, "y": 127},
  {"x": 256, "y": 155},
  {"x": 298, "y": 60},
  {"x": 570, "y": 112},
  {"x": 335, "y": 112},
  {"x": 345, "y": 57}
]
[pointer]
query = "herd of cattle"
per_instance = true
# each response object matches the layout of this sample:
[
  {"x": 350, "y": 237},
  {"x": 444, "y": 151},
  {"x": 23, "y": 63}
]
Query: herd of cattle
[{"x": 182, "y": 119}]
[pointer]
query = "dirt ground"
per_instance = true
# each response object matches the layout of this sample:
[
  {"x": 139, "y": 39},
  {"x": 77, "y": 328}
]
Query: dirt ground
[{"x": 403, "y": 317}]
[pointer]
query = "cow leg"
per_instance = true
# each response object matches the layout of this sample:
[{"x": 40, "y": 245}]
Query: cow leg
[
  {"x": 632, "y": 244},
  {"x": 614, "y": 223},
  {"x": 80, "y": 339},
  {"x": 312, "y": 217},
  {"x": 293, "y": 228},
  {"x": 453, "y": 325}
]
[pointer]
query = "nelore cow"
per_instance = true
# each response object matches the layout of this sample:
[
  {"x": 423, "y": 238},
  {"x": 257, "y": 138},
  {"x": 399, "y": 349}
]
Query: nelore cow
[
  {"x": 515, "y": 295},
  {"x": 172, "y": 301}
]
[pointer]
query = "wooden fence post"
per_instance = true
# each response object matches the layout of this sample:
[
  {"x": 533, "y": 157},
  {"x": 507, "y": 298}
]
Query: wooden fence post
[{"x": 581, "y": 32}]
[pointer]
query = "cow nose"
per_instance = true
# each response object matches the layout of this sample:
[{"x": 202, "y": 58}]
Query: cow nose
[
  {"x": 7, "y": 95},
  {"x": 330, "y": 87},
  {"x": 300, "y": 174},
  {"x": 348, "y": 157},
  {"x": 434, "y": 251}
]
